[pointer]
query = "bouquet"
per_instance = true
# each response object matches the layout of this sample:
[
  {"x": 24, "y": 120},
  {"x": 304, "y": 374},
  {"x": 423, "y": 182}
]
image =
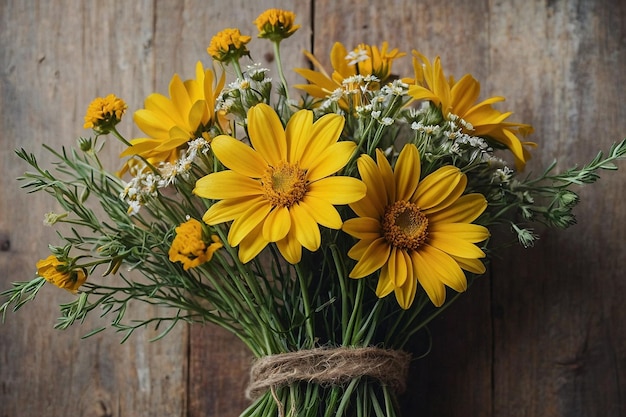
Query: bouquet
[{"x": 324, "y": 224}]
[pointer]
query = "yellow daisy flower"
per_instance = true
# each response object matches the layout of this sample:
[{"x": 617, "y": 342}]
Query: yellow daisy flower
[
  {"x": 459, "y": 99},
  {"x": 58, "y": 273},
  {"x": 276, "y": 24},
  {"x": 104, "y": 113},
  {"x": 280, "y": 188},
  {"x": 171, "y": 122},
  {"x": 190, "y": 248},
  {"x": 363, "y": 60},
  {"x": 415, "y": 231}
]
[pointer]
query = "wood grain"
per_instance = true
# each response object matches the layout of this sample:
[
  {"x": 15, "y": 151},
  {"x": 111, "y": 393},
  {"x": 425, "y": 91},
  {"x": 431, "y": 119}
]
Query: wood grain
[{"x": 543, "y": 334}]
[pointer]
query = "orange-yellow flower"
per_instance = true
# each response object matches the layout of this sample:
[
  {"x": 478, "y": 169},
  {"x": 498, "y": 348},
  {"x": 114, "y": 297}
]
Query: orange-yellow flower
[
  {"x": 227, "y": 45},
  {"x": 276, "y": 24},
  {"x": 282, "y": 187},
  {"x": 415, "y": 231},
  {"x": 459, "y": 99},
  {"x": 190, "y": 247},
  {"x": 60, "y": 274},
  {"x": 104, "y": 113}
]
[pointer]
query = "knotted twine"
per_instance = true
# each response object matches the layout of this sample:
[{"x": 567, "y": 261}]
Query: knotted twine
[{"x": 326, "y": 366}]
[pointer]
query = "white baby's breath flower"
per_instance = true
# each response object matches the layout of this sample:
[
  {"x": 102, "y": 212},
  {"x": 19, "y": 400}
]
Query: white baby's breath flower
[
  {"x": 387, "y": 121},
  {"x": 356, "y": 56}
]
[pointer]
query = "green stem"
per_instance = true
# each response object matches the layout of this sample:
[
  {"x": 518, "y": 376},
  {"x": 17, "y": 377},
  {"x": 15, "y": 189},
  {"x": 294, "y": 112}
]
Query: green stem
[
  {"x": 306, "y": 302},
  {"x": 120, "y": 137},
  {"x": 279, "y": 66}
]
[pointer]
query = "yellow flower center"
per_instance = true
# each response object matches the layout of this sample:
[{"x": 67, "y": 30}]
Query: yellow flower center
[
  {"x": 284, "y": 185},
  {"x": 404, "y": 225}
]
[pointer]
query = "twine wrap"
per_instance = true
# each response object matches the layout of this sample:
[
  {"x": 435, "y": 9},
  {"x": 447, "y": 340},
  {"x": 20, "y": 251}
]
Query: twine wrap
[{"x": 327, "y": 366}]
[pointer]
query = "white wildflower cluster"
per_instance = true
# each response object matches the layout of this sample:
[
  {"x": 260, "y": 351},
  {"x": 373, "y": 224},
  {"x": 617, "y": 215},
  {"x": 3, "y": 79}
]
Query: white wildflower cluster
[
  {"x": 255, "y": 83},
  {"x": 146, "y": 184},
  {"x": 139, "y": 190},
  {"x": 170, "y": 171}
]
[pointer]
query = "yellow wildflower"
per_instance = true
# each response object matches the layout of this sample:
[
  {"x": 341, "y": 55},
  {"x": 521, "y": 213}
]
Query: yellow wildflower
[
  {"x": 171, "y": 122},
  {"x": 459, "y": 99},
  {"x": 228, "y": 45},
  {"x": 190, "y": 247},
  {"x": 282, "y": 187},
  {"x": 415, "y": 231},
  {"x": 276, "y": 24},
  {"x": 104, "y": 113},
  {"x": 60, "y": 274}
]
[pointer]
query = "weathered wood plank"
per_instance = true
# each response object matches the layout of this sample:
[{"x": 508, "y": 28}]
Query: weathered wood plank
[
  {"x": 560, "y": 345},
  {"x": 55, "y": 57}
]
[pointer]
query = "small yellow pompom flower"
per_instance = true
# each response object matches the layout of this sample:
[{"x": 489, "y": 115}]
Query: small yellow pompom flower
[
  {"x": 229, "y": 44},
  {"x": 60, "y": 274},
  {"x": 276, "y": 24},
  {"x": 189, "y": 246},
  {"x": 104, "y": 113}
]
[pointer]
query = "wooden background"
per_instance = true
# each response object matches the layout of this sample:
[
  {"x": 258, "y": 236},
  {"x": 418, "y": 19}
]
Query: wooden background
[{"x": 543, "y": 334}]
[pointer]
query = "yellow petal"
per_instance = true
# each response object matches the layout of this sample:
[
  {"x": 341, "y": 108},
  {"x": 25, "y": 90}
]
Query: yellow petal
[
  {"x": 322, "y": 211},
  {"x": 164, "y": 109},
  {"x": 428, "y": 279},
  {"x": 226, "y": 184},
  {"x": 290, "y": 248},
  {"x": 386, "y": 173},
  {"x": 407, "y": 172},
  {"x": 151, "y": 124},
  {"x": 339, "y": 62},
  {"x": 385, "y": 284},
  {"x": 398, "y": 267},
  {"x": 375, "y": 256},
  {"x": 464, "y": 210},
  {"x": 324, "y": 133},
  {"x": 323, "y": 83},
  {"x": 363, "y": 227},
  {"x": 375, "y": 200},
  {"x": 330, "y": 160},
  {"x": 448, "y": 271},
  {"x": 338, "y": 190},
  {"x": 238, "y": 156},
  {"x": 306, "y": 229},
  {"x": 196, "y": 114},
  {"x": 249, "y": 220},
  {"x": 140, "y": 146},
  {"x": 179, "y": 96},
  {"x": 473, "y": 233},
  {"x": 464, "y": 94},
  {"x": 405, "y": 295},
  {"x": 359, "y": 248},
  {"x": 454, "y": 246},
  {"x": 277, "y": 224},
  {"x": 437, "y": 186},
  {"x": 298, "y": 133},
  {"x": 267, "y": 134},
  {"x": 252, "y": 244},
  {"x": 471, "y": 265},
  {"x": 229, "y": 209}
]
